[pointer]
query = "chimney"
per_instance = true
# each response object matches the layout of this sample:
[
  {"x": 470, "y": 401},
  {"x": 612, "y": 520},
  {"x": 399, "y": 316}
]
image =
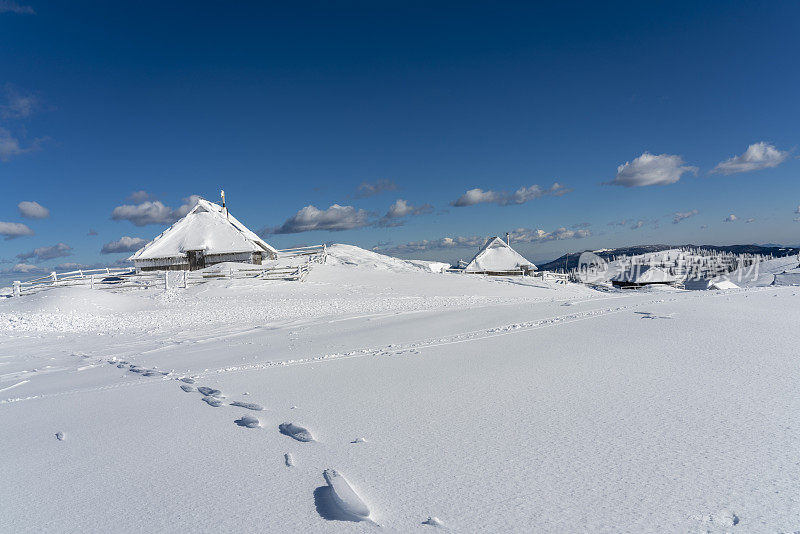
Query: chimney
[{"x": 222, "y": 193}]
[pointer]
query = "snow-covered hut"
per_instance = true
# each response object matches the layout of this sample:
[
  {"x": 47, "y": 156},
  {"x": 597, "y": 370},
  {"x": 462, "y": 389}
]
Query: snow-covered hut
[
  {"x": 497, "y": 257},
  {"x": 208, "y": 234},
  {"x": 643, "y": 275}
]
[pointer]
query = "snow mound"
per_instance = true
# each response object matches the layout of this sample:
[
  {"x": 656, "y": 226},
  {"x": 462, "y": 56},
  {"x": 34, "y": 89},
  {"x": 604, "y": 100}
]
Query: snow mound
[
  {"x": 339, "y": 254},
  {"x": 644, "y": 274},
  {"x": 778, "y": 271},
  {"x": 78, "y": 300}
]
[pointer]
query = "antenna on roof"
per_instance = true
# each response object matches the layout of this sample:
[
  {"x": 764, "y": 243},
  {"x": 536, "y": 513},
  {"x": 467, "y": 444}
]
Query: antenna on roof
[
  {"x": 222, "y": 193},
  {"x": 508, "y": 239}
]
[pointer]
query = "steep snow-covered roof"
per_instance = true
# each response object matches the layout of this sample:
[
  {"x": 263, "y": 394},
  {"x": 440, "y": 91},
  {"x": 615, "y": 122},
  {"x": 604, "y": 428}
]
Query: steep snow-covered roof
[
  {"x": 722, "y": 284},
  {"x": 497, "y": 255},
  {"x": 206, "y": 227},
  {"x": 644, "y": 274}
]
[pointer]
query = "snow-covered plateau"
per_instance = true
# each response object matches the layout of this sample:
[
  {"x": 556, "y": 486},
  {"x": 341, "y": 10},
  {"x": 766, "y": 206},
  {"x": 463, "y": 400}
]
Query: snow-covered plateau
[{"x": 380, "y": 394}]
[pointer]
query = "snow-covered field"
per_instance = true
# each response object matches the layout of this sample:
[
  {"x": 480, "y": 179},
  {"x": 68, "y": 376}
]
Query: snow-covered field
[{"x": 423, "y": 400}]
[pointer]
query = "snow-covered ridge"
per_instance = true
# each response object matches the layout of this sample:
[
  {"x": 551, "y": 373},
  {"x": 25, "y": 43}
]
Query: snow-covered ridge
[{"x": 340, "y": 254}]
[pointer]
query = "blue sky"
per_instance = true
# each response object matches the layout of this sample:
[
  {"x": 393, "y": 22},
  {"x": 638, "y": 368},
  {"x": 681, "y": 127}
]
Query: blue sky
[{"x": 574, "y": 125}]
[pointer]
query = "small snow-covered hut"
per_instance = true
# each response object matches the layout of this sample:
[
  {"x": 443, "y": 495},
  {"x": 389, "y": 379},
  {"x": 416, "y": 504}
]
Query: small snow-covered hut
[
  {"x": 643, "y": 275},
  {"x": 497, "y": 257},
  {"x": 208, "y": 234}
]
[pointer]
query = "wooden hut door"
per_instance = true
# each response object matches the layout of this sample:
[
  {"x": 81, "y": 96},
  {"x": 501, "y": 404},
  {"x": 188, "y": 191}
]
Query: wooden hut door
[{"x": 197, "y": 259}]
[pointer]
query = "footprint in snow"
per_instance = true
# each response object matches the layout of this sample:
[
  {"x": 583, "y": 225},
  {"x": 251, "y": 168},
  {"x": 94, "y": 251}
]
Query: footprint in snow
[
  {"x": 209, "y": 392},
  {"x": 60, "y": 436},
  {"x": 248, "y": 405},
  {"x": 187, "y": 388},
  {"x": 248, "y": 421},
  {"x": 433, "y": 521},
  {"x": 338, "y": 501},
  {"x": 723, "y": 518},
  {"x": 650, "y": 315},
  {"x": 296, "y": 431},
  {"x": 187, "y": 380},
  {"x": 212, "y": 401},
  {"x": 359, "y": 440},
  {"x": 288, "y": 459}
]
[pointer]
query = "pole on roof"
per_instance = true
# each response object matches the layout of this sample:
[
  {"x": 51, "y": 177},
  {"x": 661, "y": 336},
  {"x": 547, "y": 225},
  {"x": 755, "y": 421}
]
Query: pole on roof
[
  {"x": 508, "y": 239},
  {"x": 222, "y": 193}
]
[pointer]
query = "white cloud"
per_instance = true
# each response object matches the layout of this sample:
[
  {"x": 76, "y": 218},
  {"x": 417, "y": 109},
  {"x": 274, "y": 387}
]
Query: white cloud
[
  {"x": 140, "y": 196},
  {"x": 47, "y": 253},
  {"x": 10, "y": 146},
  {"x": 748, "y": 221},
  {"x": 525, "y": 235},
  {"x": 152, "y": 212},
  {"x": 797, "y": 210},
  {"x": 33, "y": 210},
  {"x": 504, "y": 198},
  {"x": 632, "y": 224},
  {"x": 144, "y": 213},
  {"x": 124, "y": 244},
  {"x": 9, "y": 6},
  {"x": 400, "y": 209},
  {"x": 25, "y": 268},
  {"x": 188, "y": 203},
  {"x": 730, "y": 218},
  {"x": 18, "y": 105},
  {"x": 370, "y": 189},
  {"x": 650, "y": 169},
  {"x": 520, "y": 235},
  {"x": 335, "y": 218},
  {"x": 10, "y": 230},
  {"x": 758, "y": 156},
  {"x": 678, "y": 216}
]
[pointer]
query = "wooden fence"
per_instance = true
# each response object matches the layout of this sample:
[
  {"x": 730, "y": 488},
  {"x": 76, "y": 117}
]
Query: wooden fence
[
  {"x": 547, "y": 276},
  {"x": 315, "y": 253},
  {"x": 301, "y": 258}
]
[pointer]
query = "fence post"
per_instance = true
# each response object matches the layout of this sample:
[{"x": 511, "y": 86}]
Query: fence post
[
  {"x": 91, "y": 282},
  {"x": 17, "y": 290},
  {"x": 54, "y": 277},
  {"x": 184, "y": 279},
  {"x": 166, "y": 279}
]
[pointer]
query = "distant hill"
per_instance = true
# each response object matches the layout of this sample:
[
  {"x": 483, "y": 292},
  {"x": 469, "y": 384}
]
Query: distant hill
[{"x": 570, "y": 261}]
